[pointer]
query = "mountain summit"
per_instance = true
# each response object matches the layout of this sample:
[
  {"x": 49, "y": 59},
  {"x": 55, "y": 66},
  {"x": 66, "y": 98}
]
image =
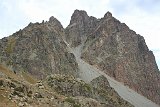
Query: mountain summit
[
  {"x": 118, "y": 51},
  {"x": 91, "y": 63}
]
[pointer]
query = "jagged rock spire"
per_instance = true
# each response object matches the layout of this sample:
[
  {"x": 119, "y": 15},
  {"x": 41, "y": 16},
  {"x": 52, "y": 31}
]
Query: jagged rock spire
[
  {"x": 53, "y": 20},
  {"x": 108, "y": 15},
  {"x": 78, "y": 16}
]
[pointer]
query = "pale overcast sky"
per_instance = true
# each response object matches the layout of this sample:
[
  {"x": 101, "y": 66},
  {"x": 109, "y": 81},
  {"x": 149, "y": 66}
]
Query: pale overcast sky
[{"x": 142, "y": 16}]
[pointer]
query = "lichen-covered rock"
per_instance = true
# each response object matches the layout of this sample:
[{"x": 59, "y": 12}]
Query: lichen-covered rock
[
  {"x": 38, "y": 49},
  {"x": 122, "y": 54},
  {"x": 80, "y": 26},
  {"x": 58, "y": 91},
  {"x": 70, "y": 86},
  {"x": 100, "y": 82}
]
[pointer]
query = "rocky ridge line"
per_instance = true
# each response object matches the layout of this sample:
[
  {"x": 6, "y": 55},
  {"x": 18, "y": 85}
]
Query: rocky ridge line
[
  {"x": 116, "y": 50},
  {"x": 88, "y": 43}
]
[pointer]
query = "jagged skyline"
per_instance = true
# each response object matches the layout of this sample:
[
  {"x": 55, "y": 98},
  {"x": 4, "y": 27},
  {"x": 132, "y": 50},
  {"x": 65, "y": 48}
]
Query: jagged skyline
[
  {"x": 140, "y": 16},
  {"x": 101, "y": 51}
]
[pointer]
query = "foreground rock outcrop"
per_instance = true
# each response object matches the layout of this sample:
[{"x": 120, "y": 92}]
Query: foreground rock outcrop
[{"x": 57, "y": 91}]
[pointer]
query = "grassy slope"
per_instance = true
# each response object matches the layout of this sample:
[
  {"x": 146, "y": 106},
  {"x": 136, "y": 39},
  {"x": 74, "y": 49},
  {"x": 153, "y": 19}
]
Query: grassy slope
[{"x": 25, "y": 76}]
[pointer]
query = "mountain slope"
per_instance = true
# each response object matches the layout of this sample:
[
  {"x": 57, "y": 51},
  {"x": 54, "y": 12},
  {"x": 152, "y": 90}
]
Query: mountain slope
[
  {"x": 75, "y": 66},
  {"x": 89, "y": 73},
  {"x": 117, "y": 51},
  {"x": 37, "y": 69},
  {"x": 57, "y": 90},
  {"x": 38, "y": 49}
]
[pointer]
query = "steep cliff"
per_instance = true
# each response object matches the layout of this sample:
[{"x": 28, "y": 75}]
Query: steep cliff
[
  {"x": 38, "y": 49},
  {"x": 118, "y": 51}
]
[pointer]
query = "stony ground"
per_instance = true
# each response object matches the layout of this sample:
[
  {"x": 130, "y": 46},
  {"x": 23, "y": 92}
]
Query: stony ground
[{"x": 57, "y": 91}]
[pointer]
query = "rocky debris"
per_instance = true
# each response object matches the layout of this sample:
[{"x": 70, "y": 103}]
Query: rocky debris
[
  {"x": 70, "y": 86},
  {"x": 116, "y": 50},
  {"x": 100, "y": 82},
  {"x": 59, "y": 91},
  {"x": 40, "y": 85},
  {"x": 84, "y": 102},
  {"x": 15, "y": 92}
]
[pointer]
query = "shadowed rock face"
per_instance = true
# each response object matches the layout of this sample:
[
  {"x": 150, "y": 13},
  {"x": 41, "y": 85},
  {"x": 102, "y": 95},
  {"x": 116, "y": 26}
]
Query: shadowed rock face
[
  {"x": 118, "y": 51},
  {"x": 38, "y": 49}
]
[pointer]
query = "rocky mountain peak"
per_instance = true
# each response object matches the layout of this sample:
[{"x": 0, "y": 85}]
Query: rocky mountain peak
[
  {"x": 72, "y": 67},
  {"x": 108, "y": 15},
  {"x": 52, "y": 19},
  {"x": 80, "y": 12},
  {"x": 55, "y": 23},
  {"x": 79, "y": 16}
]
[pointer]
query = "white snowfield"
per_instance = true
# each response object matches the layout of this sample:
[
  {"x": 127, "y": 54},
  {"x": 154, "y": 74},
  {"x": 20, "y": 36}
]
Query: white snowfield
[{"x": 89, "y": 72}]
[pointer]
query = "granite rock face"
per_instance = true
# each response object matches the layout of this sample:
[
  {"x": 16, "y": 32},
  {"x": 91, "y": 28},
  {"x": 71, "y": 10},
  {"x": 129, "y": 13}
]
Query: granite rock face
[
  {"x": 118, "y": 51},
  {"x": 38, "y": 49}
]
